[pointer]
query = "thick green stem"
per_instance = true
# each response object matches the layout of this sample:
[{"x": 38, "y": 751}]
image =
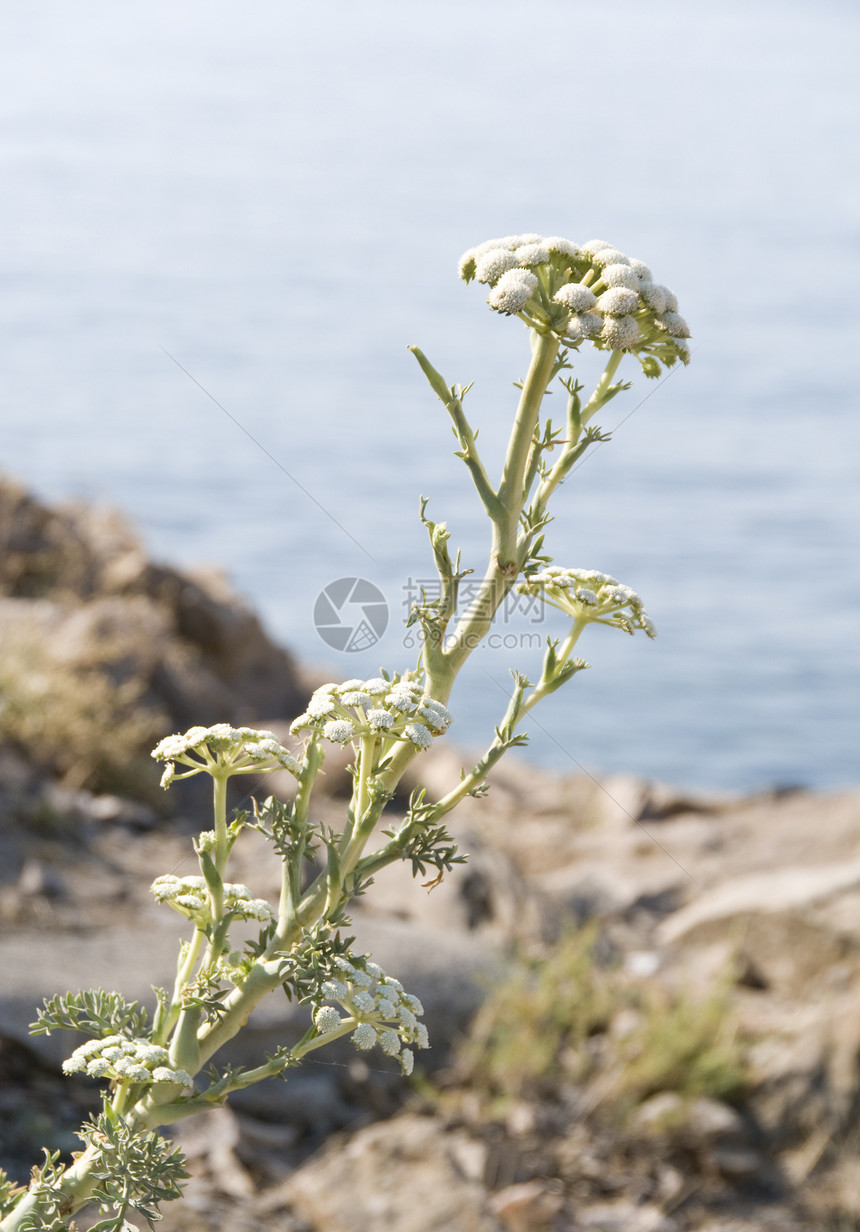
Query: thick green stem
[
  {"x": 183, "y": 975},
  {"x": 291, "y": 870},
  {"x": 76, "y": 1187},
  {"x": 238, "y": 1007},
  {"x": 219, "y": 791},
  {"x": 511, "y": 494},
  {"x": 505, "y": 563},
  {"x": 367, "y": 750}
]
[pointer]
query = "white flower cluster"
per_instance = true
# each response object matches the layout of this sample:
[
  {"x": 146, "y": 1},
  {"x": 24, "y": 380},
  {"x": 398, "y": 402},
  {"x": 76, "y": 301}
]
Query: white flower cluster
[
  {"x": 383, "y": 1013},
  {"x": 592, "y": 292},
  {"x": 125, "y": 1060},
  {"x": 389, "y": 710},
  {"x": 188, "y": 895},
  {"x": 588, "y": 595},
  {"x": 244, "y": 750}
]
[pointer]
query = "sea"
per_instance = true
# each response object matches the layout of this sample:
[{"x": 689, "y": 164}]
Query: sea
[{"x": 221, "y": 227}]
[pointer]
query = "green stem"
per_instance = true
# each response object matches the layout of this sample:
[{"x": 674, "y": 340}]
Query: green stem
[
  {"x": 184, "y": 973},
  {"x": 597, "y": 399},
  {"x": 291, "y": 871},
  {"x": 365, "y": 766},
  {"x": 544, "y": 687},
  {"x": 577, "y": 448},
  {"x": 511, "y": 494},
  {"x": 76, "y": 1186},
  {"x": 219, "y": 792},
  {"x": 238, "y": 1007},
  {"x": 505, "y": 563},
  {"x": 169, "y": 1113},
  {"x": 463, "y": 431}
]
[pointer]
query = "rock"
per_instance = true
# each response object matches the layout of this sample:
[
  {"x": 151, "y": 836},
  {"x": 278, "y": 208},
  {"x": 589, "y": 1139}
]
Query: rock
[
  {"x": 591, "y": 889},
  {"x": 779, "y": 890},
  {"x": 621, "y": 800},
  {"x": 778, "y": 922},
  {"x": 17, "y": 777},
  {"x": 642, "y": 963},
  {"x": 214, "y": 1136},
  {"x": 709, "y": 1128},
  {"x": 708, "y": 1121},
  {"x": 57, "y": 551},
  {"x": 805, "y": 1060},
  {"x": 841, "y": 1047},
  {"x": 660, "y": 1114},
  {"x": 260, "y": 678},
  {"x": 624, "y": 1217},
  {"x": 624, "y": 800},
  {"x": 735, "y": 1163},
  {"x": 89, "y": 626},
  {"x": 39, "y": 964},
  {"x": 762, "y": 1218},
  {"x": 698, "y": 1123},
  {"x": 486, "y": 894},
  {"x": 527, "y": 1207},
  {"x": 401, "y": 1174},
  {"x": 662, "y": 801},
  {"x": 106, "y": 809},
  {"x": 39, "y": 880},
  {"x": 315, "y": 1101}
]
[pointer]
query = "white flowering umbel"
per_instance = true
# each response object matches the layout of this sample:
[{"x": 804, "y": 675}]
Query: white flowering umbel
[
  {"x": 190, "y": 897},
  {"x": 590, "y": 597},
  {"x": 160, "y": 1064},
  {"x": 589, "y": 293},
  {"x": 377, "y": 1011},
  {"x": 125, "y": 1060},
  {"x": 241, "y": 750},
  {"x": 382, "y": 709}
]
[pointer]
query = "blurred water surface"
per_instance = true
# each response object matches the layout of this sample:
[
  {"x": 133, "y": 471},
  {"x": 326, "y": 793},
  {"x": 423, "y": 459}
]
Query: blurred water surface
[{"x": 274, "y": 198}]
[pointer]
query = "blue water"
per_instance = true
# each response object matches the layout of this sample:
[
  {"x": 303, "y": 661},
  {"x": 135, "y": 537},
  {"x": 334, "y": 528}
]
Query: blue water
[{"x": 274, "y": 198}]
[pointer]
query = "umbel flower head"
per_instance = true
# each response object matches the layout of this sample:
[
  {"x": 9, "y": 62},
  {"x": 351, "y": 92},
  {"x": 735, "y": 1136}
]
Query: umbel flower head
[
  {"x": 591, "y": 292},
  {"x": 125, "y": 1060},
  {"x": 590, "y": 597},
  {"x": 189, "y": 896},
  {"x": 238, "y": 750},
  {"x": 388, "y": 710},
  {"x": 377, "y": 1008}
]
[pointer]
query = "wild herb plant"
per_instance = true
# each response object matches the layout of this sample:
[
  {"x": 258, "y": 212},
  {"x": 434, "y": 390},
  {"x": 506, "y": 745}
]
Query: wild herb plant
[{"x": 166, "y": 1064}]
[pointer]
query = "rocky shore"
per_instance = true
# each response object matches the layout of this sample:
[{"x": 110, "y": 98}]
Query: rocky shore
[{"x": 723, "y": 931}]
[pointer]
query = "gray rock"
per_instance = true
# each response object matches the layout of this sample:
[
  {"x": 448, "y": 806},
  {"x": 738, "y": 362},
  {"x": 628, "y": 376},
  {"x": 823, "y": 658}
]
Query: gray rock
[
  {"x": 779, "y": 922},
  {"x": 399, "y": 1174},
  {"x": 527, "y": 1207},
  {"x": 78, "y": 580},
  {"x": 624, "y": 1217},
  {"x": 778, "y": 890},
  {"x": 709, "y": 1121},
  {"x": 736, "y": 1163}
]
